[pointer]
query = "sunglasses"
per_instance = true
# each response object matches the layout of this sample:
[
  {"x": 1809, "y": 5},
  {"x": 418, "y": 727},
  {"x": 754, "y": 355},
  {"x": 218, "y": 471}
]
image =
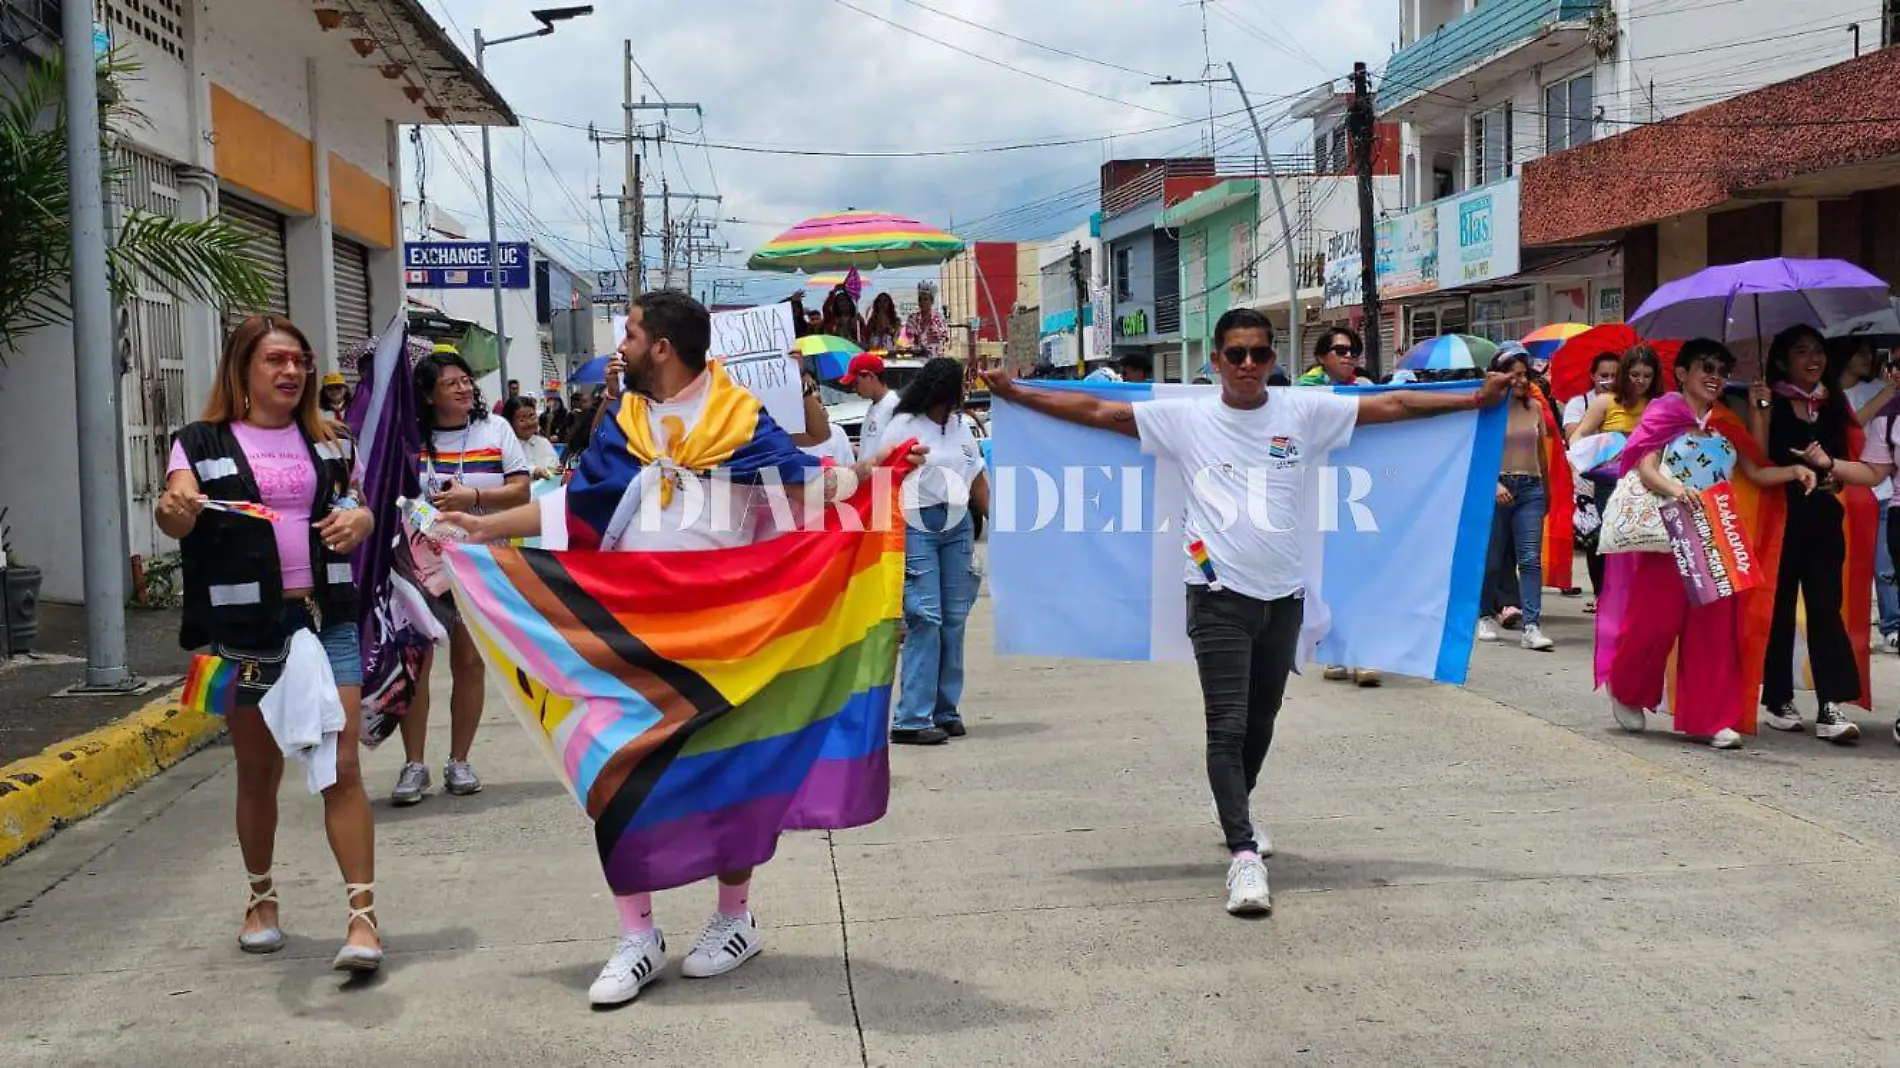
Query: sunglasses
[
  {"x": 1343, "y": 350},
  {"x": 1702, "y": 367},
  {"x": 1237, "y": 355}
]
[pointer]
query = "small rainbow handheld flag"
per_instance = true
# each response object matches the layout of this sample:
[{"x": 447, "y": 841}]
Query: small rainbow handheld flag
[
  {"x": 211, "y": 685},
  {"x": 249, "y": 508},
  {"x": 1197, "y": 551}
]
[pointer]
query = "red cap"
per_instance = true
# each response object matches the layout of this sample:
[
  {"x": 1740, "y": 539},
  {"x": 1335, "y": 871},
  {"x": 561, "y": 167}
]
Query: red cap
[{"x": 864, "y": 363}]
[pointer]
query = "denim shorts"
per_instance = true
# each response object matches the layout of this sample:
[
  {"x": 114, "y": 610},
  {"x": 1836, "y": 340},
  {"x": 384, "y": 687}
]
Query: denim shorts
[{"x": 340, "y": 644}]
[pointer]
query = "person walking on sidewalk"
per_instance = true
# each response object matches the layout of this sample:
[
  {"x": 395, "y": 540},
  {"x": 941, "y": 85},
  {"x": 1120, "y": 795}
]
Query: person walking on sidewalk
[
  {"x": 1246, "y": 633},
  {"x": 471, "y": 461},
  {"x": 1523, "y": 494},
  {"x": 1336, "y": 353},
  {"x": 682, "y": 403},
  {"x": 251, "y": 584},
  {"x": 1687, "y": 442},
  {"x": 940, "y": 579}
]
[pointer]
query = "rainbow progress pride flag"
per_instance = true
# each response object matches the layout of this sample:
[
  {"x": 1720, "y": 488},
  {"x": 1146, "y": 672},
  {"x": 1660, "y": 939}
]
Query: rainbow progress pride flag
[{"x": 700, "y": 703}]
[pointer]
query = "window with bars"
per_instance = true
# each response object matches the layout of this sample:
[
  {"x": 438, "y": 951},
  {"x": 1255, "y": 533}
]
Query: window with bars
[
  {"x": 1124, "y": 266},
  {"x": 1491, "y": 145},
  {"x": 1569, "y": 113}
]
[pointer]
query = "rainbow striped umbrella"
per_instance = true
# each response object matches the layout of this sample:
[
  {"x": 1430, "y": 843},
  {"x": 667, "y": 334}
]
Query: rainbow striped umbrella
[
  {"x": 863, "y": 239},
  {"x": 1544, "y": 342},
  {"x": 1451, "y": 352},
  {"x": 830, "y": 354}
]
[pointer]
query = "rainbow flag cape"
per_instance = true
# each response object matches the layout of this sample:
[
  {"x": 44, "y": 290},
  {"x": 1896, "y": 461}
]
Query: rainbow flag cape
[
  {"x": 1559, "y": 552},
  {"x": 210, "y": 685}
]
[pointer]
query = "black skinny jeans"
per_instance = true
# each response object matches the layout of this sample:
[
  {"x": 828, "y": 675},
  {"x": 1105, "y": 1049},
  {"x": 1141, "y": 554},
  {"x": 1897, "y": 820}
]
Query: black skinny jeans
[
  {"x": 1244, "y": 649},
  {"x": 1813, "y": 551}
]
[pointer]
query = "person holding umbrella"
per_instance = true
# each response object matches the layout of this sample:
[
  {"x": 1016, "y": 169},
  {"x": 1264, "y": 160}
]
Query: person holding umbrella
[{"x": 1796, "y": 415}]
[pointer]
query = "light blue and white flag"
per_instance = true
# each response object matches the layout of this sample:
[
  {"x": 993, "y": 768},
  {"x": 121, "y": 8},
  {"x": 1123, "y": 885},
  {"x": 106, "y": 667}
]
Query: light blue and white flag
[{"x": 1086, "y": 549}]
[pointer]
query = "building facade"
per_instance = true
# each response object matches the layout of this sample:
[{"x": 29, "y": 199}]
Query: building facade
[
  {"x": 1480, "y": 90},
  {"x": 1069, "y": 273},
  {"x": 281, "y": 118}
]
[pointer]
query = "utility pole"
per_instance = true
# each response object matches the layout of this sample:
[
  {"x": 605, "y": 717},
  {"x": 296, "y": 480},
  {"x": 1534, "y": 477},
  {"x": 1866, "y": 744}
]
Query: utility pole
[
  {"x": 1359, "y": 123},
  {"x": 669, "y": 241},
  {"x": 101, "y": 471},
  {"x": 635, "y": 224},
  {"x": 1080, "y": 285}
]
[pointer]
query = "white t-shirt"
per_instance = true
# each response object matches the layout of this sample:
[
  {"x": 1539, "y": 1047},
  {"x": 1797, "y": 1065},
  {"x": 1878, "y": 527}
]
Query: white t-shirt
[
  {"x": 871, "y": 432},
  {"x": 836, "y": 448},
  {"x": 1857, "y": 396},
  {"x": 950, "y": 467},
  {"x": 702, "y": 512},
  {"x": 480, "y": 455},
  {"x": 1254, "y": 541},
  {"x": 540, "y": 453},
  {"x": 1576, "y": 408},
  {"x": 1877, "y": 450}
]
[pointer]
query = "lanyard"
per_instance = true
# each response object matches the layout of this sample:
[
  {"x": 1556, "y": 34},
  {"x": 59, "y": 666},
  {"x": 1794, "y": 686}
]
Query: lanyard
[{"x": 461, "y": 455}]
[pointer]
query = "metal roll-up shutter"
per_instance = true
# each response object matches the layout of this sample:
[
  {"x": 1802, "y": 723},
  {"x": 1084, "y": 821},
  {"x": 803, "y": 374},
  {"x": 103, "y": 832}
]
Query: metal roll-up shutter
[
  {"x": 352, "y": 291},
  {"x": 266, "y": 230}
]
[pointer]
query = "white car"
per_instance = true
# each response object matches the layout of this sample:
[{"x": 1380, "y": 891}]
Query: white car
[{"x": 846, "y": 409}]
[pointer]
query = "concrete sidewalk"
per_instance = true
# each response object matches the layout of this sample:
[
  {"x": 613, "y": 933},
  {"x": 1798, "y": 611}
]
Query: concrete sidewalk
[{"x": 1457, "y": 882}]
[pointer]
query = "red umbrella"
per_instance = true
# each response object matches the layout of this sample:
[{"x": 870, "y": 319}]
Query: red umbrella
[{"x": 1570, "y": 365}]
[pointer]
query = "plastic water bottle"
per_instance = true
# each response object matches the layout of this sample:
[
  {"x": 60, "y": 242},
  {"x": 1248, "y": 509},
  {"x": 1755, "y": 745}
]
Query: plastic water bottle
[{"x": 426, "y": 519}]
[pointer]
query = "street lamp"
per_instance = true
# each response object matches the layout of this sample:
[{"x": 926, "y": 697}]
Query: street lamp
[
  {"x": 1279, "y": 202},
  {"x": 547, "y": 17}
]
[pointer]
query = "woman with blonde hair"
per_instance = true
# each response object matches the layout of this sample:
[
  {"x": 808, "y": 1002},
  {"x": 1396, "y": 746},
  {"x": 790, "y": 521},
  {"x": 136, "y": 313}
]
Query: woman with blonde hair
[{"x": 251, "y": 584}]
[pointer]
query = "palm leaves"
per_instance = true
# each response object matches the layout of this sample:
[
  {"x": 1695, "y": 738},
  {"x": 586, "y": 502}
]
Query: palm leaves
[{"x": 205, "y": 260}]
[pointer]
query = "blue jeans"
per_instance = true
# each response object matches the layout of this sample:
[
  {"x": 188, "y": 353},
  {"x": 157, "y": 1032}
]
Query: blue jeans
[
  {"x": 1517, "y": 545},
  {"x": 940, "y": 583},
  {"x": 1884, "y": 590}
]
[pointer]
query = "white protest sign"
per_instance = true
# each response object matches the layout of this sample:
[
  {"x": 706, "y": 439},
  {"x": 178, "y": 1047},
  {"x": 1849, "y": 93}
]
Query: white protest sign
[{"x": 752, "y": 345}]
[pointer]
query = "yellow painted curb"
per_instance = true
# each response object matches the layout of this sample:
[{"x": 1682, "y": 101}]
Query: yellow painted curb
[{"x": 71, "y": 780}]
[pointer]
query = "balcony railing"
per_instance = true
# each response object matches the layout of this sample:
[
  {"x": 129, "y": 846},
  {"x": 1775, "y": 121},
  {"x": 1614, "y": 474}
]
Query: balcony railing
[{"x": 1474, "y": 38}]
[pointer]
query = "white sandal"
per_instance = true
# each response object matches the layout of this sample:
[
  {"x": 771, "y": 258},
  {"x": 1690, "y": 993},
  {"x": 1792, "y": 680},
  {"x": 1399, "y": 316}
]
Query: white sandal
[
  {"x": 353, "y": 958},
  {"x": 270, "y": 939}
]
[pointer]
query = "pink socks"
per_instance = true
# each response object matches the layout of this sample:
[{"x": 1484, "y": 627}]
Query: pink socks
[
  {"x": 1246, "y": 854},
  {"x": 733, "y": 898},
  {"x": 636, "y": 913},
  {"x": 636, "y": 910}
]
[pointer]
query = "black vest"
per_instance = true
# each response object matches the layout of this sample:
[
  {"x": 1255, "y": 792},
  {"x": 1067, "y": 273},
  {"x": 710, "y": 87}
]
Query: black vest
[{"x": 234, "y": 584}]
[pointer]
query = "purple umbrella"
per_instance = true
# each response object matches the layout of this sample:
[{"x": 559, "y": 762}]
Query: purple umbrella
[{"x": 1759, "y": 299}]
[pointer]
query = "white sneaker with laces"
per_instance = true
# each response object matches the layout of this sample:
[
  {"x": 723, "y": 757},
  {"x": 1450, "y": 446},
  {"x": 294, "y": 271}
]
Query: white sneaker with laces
[
  {"x": 637, "y": 961},
  {"x": 1782, "y": 717},
  {"x": 728, "y": 942},
  {"x": 1247, "y": 893},
  {"x": 1535, "y": 639},
  {"x": 1628, "y": 717},
  {"x": 1487, "y": 629}
]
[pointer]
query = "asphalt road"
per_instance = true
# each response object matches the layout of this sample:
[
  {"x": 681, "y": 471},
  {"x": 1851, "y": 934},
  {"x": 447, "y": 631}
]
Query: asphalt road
[{"x": 1489, "y": 875}]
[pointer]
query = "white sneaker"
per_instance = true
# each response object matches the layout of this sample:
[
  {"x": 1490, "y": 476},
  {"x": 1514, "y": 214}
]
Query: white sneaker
[
  {"x": 1247, "y": 893},
  {"x": 1891, "y": 642},
  {"x": 728, "y": 942},
  {"x": 1534, "y": 639},
  {"x": 1725, "y": 739},
  {"x": 637, "y": 961},
  {"x": 1782, "y": 717},
  {"x": 1627, "y": 717},
  {"x": 1487, "y": 629}
]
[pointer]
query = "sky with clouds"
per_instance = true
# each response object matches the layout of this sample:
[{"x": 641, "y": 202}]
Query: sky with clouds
[{"x": 829, "y": 76}]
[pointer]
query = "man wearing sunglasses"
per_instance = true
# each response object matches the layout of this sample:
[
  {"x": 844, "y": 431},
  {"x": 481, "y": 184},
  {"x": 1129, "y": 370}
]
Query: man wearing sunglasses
[{"x": 1246, "y": 604}]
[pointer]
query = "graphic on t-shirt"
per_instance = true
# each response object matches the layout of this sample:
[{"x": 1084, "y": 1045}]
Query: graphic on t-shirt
[
  {"x": 471, "y": 462},
  {"x": 1282, "y": 448}
]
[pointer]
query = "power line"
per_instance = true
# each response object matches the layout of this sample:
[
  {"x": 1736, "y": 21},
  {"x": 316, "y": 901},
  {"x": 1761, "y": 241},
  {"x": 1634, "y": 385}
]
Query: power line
[
  {"x": 1036, "y": 44},
  {"x": 999, "y": 63}
]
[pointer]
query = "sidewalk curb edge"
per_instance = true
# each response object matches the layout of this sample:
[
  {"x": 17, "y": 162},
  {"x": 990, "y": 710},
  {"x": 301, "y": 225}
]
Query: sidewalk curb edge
[{"x": 72, "y": 779}]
